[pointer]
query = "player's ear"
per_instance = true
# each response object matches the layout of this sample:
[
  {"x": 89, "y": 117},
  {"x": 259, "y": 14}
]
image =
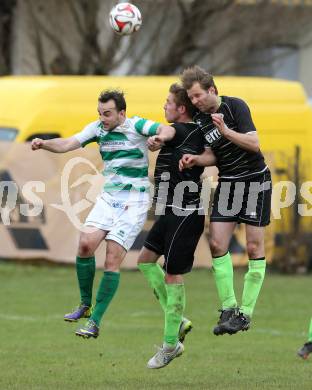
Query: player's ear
[
  {"x": 122, "y": 113},
  {"x": 211, "y": 90},
  {"x": 182, "y": 109}
]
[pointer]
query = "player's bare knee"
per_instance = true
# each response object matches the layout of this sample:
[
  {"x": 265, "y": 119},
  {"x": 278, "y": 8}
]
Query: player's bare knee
[
  {"x": 112, "y": 262},
  {"x": 112, "y": 265},
  {"x": 173, "y": 279},
  {"x": 85, "y": 247},
  {"x": 142, "y": 257},
  {"x": 216, "y": 247},
  {"x": 147, "y": 256},
  {"x": 85, "y": 250},
  {"x": 254, "y": 249}
]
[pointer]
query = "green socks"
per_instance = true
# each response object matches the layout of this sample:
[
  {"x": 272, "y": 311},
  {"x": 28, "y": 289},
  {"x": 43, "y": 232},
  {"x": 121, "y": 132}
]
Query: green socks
[
  {"x": 156, "y": 279},
  {"x": 223, "y": 273},
  {"x": 85, "y": 272},
  {"x": 85, "y": 267},
  {"x": 171, "y": 298},
  {"x": 252, "y": 285},
  {"x": 107, "y": 289},
  {"x": 310, "y": 332},
  {"x": 222, "y": 269},
  {"x": 174, "y": 313}
]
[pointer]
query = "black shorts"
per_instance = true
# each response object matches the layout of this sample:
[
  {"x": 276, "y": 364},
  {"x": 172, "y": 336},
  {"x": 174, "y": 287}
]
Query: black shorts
[
  {"x": 176, "y": 237},
  {"x": 243, "y": 201}
]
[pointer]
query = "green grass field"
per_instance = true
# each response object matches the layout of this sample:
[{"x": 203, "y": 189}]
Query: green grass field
[{"x": 38, "y": 350}]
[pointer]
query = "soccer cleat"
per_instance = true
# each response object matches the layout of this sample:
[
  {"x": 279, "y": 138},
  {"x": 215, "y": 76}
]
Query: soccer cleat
[
  {"x": 82, "y": 311},
  {"x": 305, "y": 350},
  {"x": 89, "y": 330},
  {"x": 185, "y": 327},
  {"x": 239, "y": 321},
  {"x": 225, "y": 317},
  {"x": 163, "y": 356}
]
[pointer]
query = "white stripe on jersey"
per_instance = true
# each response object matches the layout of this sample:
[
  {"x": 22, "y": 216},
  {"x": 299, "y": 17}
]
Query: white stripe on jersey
[
  {"x": 123, "y": 138},
  {"x": 244, "y": 176},
  {"x": 232, "y": 162},
  {"x": 147, "y": 126},
  {"x": 229, "y": 110}
]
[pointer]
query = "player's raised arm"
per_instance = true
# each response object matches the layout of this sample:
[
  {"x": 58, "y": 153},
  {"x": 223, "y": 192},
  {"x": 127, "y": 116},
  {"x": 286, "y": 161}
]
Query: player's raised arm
[
  {"x": 207, "y": 158},
  {"x": 56, "y": 145},
  {"x": 164, "y": 133},
  {"x": 248, "y": 141}
]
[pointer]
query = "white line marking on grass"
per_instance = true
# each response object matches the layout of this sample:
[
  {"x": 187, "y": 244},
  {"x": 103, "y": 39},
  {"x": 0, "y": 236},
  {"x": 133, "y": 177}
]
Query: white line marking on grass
[
  {"x": 147, "y": 314},
  {"x": 274, "y": 332},
  {"x": 110, "y": 323},
  {"x": 13, "y": 317},
  {"x": 144, "y": 314}
]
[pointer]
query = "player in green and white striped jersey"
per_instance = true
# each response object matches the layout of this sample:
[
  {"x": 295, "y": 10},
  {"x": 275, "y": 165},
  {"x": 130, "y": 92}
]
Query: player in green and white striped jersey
[
  {"x": 124, "y": 152},
  {"x": 120, "y": 211}
]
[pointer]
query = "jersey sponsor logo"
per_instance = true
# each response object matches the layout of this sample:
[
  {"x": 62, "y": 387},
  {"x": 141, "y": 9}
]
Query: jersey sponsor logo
[
  {"x": 112, "y": 143},
  {"x": 213, "y": 136}
]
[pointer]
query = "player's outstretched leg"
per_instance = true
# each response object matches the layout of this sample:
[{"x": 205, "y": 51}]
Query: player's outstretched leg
[{"x": 85, "y": 268}]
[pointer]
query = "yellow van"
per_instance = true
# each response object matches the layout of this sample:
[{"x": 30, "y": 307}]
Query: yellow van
[
  {"x": 62, "y": 105},
  {"x": 53, "y": 106}
]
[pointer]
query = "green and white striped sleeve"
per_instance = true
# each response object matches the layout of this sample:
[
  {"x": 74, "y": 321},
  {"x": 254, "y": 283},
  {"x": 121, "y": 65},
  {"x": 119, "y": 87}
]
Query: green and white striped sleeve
[
  {"x": 88, "y": 134},
  {"x": 145, "y": 126}
]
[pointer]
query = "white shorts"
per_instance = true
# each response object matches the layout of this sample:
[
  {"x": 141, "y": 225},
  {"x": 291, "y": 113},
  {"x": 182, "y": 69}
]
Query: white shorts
[{"x": 122, "y": 214}]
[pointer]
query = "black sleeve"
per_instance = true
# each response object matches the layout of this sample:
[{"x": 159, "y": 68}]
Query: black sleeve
[
  {"x": 242, "y": 116},
  {"x": 179, "y": 135}
]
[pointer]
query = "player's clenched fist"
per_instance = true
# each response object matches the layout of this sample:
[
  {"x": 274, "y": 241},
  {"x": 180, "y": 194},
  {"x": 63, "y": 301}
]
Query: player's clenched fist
[
  {"x": 37, "y": 143},
  {"x": 187, "y": 161},
  {"x": 154, "y": 143}
]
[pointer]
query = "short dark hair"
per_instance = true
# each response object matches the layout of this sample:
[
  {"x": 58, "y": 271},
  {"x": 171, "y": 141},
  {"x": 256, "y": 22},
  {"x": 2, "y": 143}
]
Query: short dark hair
[
  {"x": 181, "y": 98},
  {"x": 196, "y": 74},
  {"x": 115, "y": 95}
]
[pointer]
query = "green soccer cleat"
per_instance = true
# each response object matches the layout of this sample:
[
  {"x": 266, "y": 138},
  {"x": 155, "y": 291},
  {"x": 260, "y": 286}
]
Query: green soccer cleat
[
  {"x": 89, "y": 330},
  {"x": 185, "y": 327}
]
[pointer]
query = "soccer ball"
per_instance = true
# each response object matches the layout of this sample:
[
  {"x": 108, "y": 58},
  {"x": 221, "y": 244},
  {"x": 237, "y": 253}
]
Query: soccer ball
[{"x": 125, "y": 18}]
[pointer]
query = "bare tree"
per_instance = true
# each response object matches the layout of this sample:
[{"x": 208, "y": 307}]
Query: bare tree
[
  {"x": 226, "y": 36},
  {"x": 184, "y": 44},
  {"x": 6, "y": 11}
]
